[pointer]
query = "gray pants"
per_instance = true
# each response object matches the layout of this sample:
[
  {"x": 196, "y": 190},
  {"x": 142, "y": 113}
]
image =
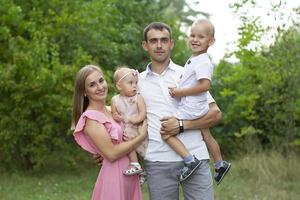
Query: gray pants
[{"x": 163, "y": 183}]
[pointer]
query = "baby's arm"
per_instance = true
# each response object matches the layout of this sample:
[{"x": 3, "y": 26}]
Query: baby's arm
[
  {"x": 202, "y": 86},
  {"x": 136, "y": 119},
  {"x": 116, "y": 115}
]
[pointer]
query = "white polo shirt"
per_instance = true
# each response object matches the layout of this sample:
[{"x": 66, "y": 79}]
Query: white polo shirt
[
  {"x": 154, "y": 88},
  {"x": 196, "y": 68}
]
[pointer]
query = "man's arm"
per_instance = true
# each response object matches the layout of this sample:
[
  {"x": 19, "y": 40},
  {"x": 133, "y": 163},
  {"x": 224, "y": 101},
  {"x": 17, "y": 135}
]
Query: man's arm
[{"x": 170, "y": 125}]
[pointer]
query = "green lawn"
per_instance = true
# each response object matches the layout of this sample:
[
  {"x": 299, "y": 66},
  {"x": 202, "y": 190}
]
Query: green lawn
[{"x": 261, "y": 176}]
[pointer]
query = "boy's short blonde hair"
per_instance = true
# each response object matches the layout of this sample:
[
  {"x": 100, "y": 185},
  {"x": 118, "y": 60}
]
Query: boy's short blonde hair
[{"x": 208, "y": 23}]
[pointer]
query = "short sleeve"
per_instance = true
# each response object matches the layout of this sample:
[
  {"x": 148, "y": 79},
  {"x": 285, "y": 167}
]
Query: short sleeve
[
  {"x": 204, "y": 71},
  {"x": 82, "y": 139}
]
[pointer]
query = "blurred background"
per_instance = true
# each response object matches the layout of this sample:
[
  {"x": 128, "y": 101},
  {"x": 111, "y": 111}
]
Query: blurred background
[{"x": 256, "y": 84}]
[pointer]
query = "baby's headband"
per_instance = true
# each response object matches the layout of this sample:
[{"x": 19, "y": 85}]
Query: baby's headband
[{"x": 134, "y": 72}]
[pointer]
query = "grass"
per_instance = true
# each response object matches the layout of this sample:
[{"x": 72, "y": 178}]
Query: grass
[{"x": 263, "y": 176}]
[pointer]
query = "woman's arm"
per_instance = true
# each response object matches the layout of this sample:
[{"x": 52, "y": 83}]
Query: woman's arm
[
  {"x": 170, "y": 125},
  {"x": 102, "y": 140}
]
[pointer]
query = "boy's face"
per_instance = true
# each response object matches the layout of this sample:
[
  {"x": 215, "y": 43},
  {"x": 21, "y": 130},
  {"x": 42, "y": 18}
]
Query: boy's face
[
  {"x": 200, "y": 38},
  {"x": 158, "y": 45}
]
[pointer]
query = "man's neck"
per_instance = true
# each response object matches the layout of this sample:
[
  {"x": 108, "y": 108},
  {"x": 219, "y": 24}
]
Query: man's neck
[{"x": 159, "y": 67}]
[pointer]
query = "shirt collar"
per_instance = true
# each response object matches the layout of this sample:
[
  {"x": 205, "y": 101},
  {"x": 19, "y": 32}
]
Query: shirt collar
[
  {"x": 199, "y": 57},
  {"x": 170, "y": 66}
]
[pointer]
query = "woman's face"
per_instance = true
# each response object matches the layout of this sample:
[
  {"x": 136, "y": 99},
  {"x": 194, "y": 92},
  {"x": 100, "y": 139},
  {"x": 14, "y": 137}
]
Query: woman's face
[{"x": 96, "y": 87}]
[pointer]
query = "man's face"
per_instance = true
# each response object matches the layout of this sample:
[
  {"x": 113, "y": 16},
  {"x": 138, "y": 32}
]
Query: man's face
[{"x": 158, "y": 45}]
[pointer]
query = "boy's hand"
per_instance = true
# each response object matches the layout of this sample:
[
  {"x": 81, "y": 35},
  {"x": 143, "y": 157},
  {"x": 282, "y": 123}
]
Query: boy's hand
[{"x": 175, "y": 92}]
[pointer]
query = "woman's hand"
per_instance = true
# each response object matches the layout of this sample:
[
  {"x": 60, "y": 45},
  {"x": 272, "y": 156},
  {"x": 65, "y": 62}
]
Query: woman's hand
[
  {"x": 98, "y": 159},
  {"x": 142, "y": 129}
]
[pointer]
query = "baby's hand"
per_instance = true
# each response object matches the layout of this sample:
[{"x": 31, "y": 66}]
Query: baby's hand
[
  {"x": 117, "y": 117},
  {"x": 133, "y": 120}
]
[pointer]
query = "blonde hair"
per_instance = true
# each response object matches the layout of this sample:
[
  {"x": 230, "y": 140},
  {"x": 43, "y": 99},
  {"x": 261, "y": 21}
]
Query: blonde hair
[
  {"x": 208, "y": 23},
  {"x": 80, "y": 101},
  {"x": 120, "y": 71}
]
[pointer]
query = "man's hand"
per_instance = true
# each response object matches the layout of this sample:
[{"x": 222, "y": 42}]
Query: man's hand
[
  {"x": 98, "y": 159},
  {"x": 169, "y": 126}
]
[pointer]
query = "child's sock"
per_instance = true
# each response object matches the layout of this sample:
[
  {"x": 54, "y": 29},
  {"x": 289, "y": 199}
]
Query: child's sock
[
  {"x": 218, "y": 164},
  {"x": 135, "y": 164},
  {"x": 188, "y": 159}
]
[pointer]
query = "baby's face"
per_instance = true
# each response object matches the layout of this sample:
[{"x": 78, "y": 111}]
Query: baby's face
[{"x": 128, "y": 85}]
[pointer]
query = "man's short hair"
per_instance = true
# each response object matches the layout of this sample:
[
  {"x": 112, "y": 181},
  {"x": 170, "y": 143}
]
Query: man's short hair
[{"x": 157, "y": 26}]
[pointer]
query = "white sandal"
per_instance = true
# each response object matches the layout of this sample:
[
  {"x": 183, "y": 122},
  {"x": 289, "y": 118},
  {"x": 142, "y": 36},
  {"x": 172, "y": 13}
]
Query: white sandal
[
  {"x": 133, "y": 170},
  {"x": 143, "y": 177}
]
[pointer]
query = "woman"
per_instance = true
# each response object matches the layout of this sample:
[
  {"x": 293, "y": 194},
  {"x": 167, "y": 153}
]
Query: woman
[{"x": 98, "y": 133}]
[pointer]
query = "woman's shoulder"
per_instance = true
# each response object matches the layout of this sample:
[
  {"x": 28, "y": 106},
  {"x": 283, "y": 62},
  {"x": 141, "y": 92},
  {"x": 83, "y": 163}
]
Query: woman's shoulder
[{"x": 95, "y": 115}]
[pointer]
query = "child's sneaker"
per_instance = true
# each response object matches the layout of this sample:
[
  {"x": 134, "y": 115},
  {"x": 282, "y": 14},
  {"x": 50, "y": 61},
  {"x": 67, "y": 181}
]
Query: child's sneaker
[
  {"x": 221, "y": 171},
  {"x": 134, "y": 169},
  {"x": 188, "y": 169}
]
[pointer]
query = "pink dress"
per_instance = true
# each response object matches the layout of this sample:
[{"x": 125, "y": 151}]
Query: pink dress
[
  {"x": 111, "y": 184},
  {"x": 127, "y": 107}
]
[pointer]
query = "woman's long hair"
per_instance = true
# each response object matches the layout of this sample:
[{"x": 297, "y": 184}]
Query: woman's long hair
[{"x": 80, "y": 101}]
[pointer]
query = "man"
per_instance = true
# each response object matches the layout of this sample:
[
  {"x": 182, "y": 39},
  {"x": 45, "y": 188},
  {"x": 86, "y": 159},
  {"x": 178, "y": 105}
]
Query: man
[{"x": 161, "y": 162}]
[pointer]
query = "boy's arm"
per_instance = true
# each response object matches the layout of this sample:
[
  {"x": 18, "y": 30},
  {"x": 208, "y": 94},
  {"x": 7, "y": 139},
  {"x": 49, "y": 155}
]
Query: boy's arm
[
  {"x": 136, "y": 119},
  {"x": 170, "y": 125},
  {"x": 202, "y": 86}
]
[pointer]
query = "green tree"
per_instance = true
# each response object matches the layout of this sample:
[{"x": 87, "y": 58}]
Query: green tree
[
  {"x": 259, "y": 94},
  {"x": 43, "y": 44}
]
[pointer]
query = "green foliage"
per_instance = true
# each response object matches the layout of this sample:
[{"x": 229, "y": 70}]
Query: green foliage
[
  {"x": 260, "y": 94},
  {"x": 43, "y": 44}
]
